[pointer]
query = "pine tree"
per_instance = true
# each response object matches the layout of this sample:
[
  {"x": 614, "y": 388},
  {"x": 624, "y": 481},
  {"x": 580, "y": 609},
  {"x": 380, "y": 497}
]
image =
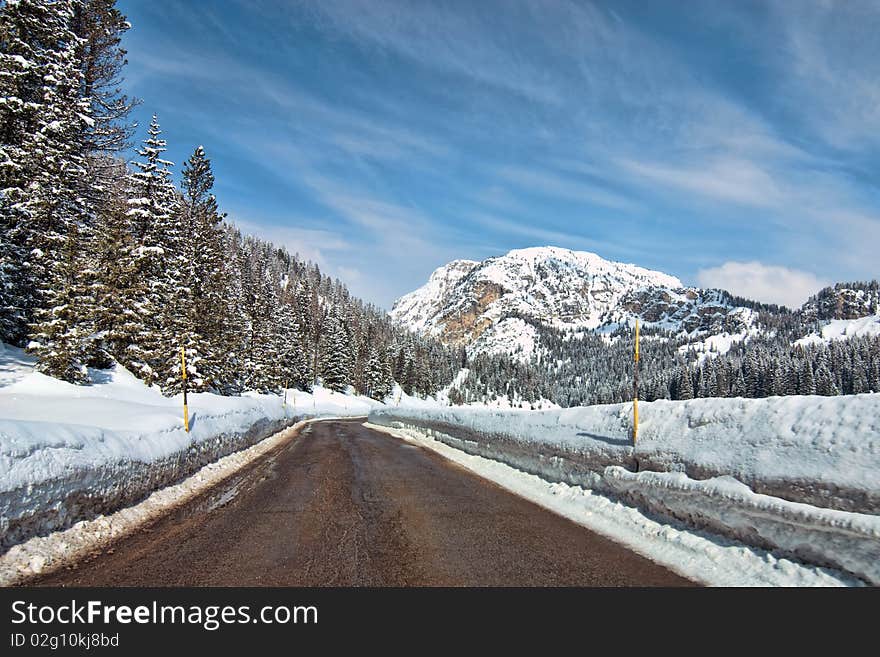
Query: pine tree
[
  {"x": 57, "y": 335},
  {"x": 291, "y": 359},
  {"x": 875, "y": 375},
  {"x": 203, "y": 316},
  {"x": 336, "y": 360},
  {"x": 378, "y": 376},
  {"x": 807, "y": 382},
  {"x": 154, "y": 350},
  {"x": 25, "y": 34},
  {"x": 57, "y": 217},
  {"x": 42, "y": 119},
  {"x": 685, "y": 387},
  {"x": 236, "y": 324},
  {"x": 859, "y": 379},
  {"x": 116, "y": 286},
  {"x": 752, "y": 373},
  {"x": 739, "y": 385},
  {"x": 824, "y": 383},
  {"x": 99, "y": 26}
]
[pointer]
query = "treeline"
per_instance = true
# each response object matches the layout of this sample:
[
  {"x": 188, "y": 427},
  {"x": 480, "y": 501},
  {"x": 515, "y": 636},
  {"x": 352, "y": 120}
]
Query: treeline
[
  {"x": 762, "y": 369},
  {"x": 106, "y": 262},
  {"x": 597, "y": 369}
]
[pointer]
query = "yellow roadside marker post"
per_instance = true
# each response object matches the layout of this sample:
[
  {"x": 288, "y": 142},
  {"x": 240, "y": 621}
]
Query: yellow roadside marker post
[
  {"x": 636, "y": 388},
  {"x": 183, "y": 376}
]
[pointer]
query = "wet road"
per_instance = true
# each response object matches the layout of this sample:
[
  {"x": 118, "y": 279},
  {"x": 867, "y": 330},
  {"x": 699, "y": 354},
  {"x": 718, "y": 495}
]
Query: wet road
[{"x": 343, "y": 505}]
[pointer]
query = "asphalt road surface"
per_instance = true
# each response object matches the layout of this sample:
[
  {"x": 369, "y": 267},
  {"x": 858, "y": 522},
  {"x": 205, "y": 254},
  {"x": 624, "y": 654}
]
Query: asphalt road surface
[{"x": 343, "y": 505}]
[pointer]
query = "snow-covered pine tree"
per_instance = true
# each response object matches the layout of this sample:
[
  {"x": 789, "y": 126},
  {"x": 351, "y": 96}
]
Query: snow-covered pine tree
[
  {"x": 384, "y": 382},
  {"x": 304, "y": 322},
  {"x": 58, "y": 218},
  {"x": 24, "y": 29},
  {"x": 293, "y": 368},
  {"x": 336, "y": 359},
  {"x": 685, "y": 387},
  {"x": 40, "y": 122},
  {"x": 807, "y": 381},
  {"x": 859, "y": 382},
  {"x": 824, "y": 382},
  {"x": 202, "y": 315},
  {"x": 99, "y": 26},
  {"x": 116, "y": 286},
  {"x": 373, "y": 383},
  {"x": 157, "y": 253},
  {"x": 875, "y": 374},
  {"x": 318, "y": 315},
  {"x": 236, "y": 325},
  {"x": 739, "y": 385},
  {"x": 363, "y": 352},
  {"x": 294, "y": 364},
  {"x": 258, "y": 308}
]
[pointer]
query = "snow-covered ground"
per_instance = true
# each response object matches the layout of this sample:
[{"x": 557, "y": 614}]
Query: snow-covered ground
[
  {"x": 699, "y": 555},
  {"x": 511, "y": 335},
  {"x": 68, "y": 452},
  {"x": 797, "y": 474},
  {"x": 841, "y": 329}
]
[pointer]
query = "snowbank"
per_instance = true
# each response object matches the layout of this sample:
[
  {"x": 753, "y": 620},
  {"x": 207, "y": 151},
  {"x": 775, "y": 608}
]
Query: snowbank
[
  {"x": 44, "y": 554},
  {"x": 818, "y": 450},
  {"x": 69, "y": 453},
  {"x": 844, "y": 540},
  {"x": 795, "y": 474}
]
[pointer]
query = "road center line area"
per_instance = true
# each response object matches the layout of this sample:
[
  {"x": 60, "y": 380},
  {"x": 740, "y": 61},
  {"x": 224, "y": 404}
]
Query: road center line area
[{"x": 344, "y": 505}]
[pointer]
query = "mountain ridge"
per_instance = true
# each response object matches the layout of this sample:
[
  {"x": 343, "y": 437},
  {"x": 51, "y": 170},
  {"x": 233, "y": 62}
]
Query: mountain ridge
[{"x": 486, "y": 305}]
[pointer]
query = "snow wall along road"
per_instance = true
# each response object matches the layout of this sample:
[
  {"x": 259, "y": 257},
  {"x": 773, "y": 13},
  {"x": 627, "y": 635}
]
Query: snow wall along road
[
  {"x": 85, "y": 490},
  {"x": 800, "y": 475}
]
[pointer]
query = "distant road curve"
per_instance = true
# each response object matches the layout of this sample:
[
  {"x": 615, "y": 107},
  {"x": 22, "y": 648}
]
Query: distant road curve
[{"x": 344, "y": 505}]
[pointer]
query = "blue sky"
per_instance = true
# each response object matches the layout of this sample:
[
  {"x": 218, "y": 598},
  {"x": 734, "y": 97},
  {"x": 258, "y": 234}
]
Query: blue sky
[{"x": 732, "y": 144}]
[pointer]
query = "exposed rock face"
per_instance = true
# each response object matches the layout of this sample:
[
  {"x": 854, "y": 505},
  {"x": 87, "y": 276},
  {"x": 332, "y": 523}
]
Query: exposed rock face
[
  {"x": 420, "y": 309},
  {"x": 844, "y": 301},
  {"x": 467, "y": 302}
]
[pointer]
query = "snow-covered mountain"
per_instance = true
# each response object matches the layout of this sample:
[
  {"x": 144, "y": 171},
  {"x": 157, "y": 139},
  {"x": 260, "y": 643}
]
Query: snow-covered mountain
[{"x": 492, "y": 306}]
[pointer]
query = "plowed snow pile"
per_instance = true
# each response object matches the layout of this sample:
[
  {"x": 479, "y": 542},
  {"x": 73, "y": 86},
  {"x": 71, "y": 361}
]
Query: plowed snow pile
[{"x": 71, "y": 452}]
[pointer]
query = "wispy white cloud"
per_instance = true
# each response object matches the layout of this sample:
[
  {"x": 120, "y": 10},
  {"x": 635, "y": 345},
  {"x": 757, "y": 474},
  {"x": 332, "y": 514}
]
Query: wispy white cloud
[
  {"x": 452, "y": 39},
  {"x": 339, "y": 130},
  {"x": 830, "y": 65},
  {"x": 548, "y": 237},
  {"x": 734, "y": 180},
  {"x": 767, "y": 283},
  {"x": 394, "y": 240},
  {"x": 323, "y": 247},
  {"x": 553, "y": 185}
]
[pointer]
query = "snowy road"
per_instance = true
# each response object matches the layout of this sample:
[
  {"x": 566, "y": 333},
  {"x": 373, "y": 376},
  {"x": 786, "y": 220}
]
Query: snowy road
[{"x": 344, "y": 505}]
